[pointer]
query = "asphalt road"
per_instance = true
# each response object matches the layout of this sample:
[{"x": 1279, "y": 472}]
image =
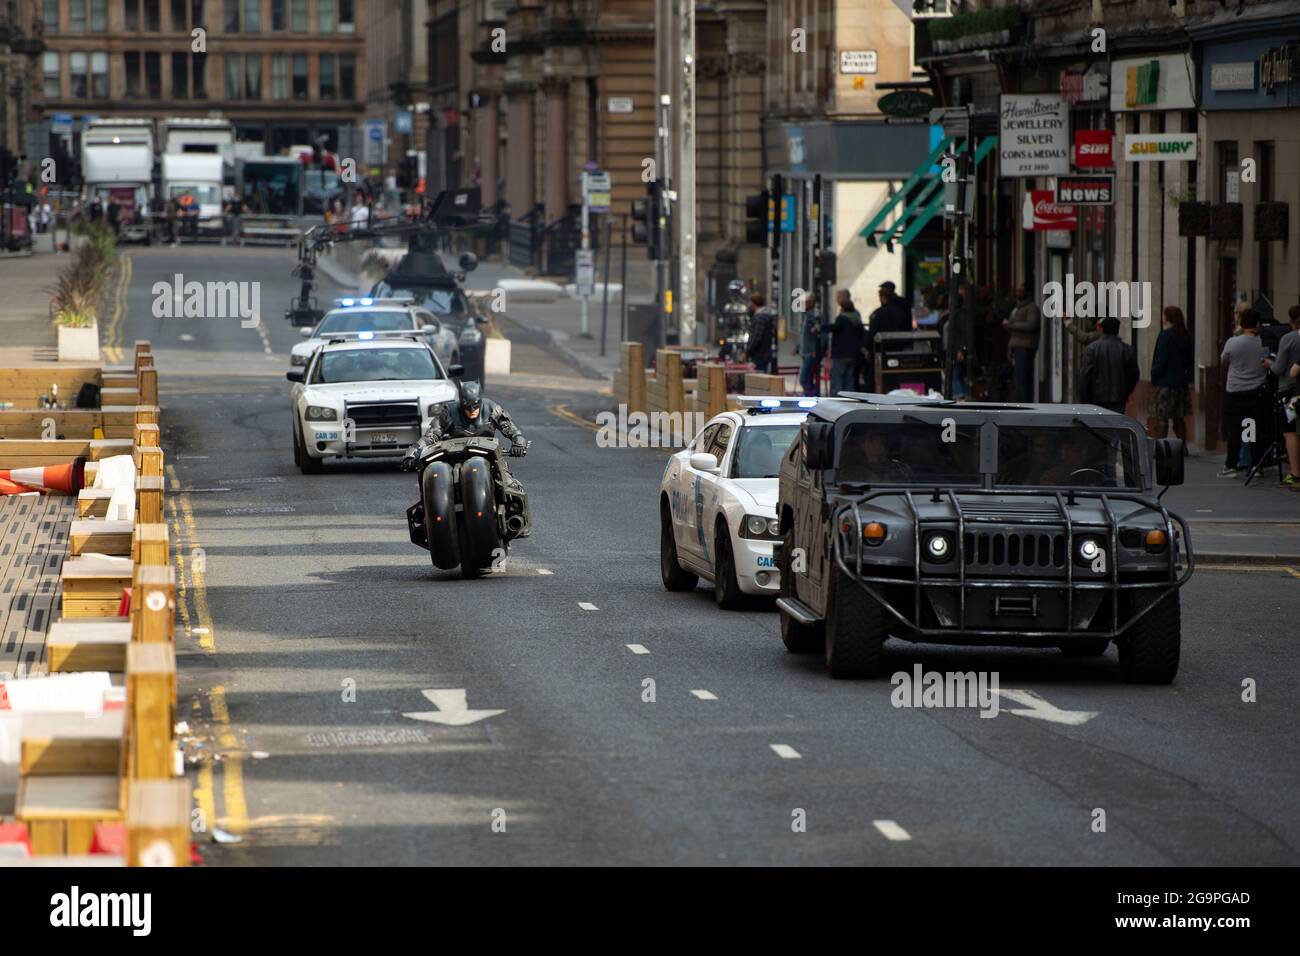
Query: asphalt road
[{"x": 324, "y": 625}]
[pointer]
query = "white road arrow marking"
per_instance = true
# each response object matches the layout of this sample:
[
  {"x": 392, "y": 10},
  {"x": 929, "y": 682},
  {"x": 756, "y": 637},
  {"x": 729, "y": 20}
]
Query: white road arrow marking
[
  {"x": 785, "y": 751},
  {"x": 1040, "y": 709},
  {"x": 587, "y": 606},
  {"x": 891, "y": 830},
  {"x": 452, "y": 709},
  {"x": 704, "y": 695}
]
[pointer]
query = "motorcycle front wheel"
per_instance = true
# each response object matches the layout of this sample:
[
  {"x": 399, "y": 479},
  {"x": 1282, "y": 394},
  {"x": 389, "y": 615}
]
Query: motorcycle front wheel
[
  {"x": 438, "y": 491},
  {"x": 480, "y": 541}
]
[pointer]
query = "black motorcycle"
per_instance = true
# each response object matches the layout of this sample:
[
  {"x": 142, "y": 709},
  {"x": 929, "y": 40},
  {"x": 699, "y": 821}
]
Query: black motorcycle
[{"x": 466, "y": 514}]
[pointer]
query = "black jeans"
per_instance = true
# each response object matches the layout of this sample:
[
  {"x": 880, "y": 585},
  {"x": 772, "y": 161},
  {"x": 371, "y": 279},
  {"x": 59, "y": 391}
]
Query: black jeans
[
  {"x": 1022, "y": 360},
  {"x": 1237, "y": 407}
]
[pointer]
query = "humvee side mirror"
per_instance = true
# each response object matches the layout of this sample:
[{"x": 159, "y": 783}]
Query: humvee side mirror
[
  {"x": 819, "y": 445},
  {"x": 455, "y": 371},
  {"x": 1169, "y": 455},
  {"x": 468, "y": 262}
]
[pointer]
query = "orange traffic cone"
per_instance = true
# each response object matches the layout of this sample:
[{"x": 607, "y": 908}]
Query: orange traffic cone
[
  {"x": 67, "y": 479},
  {"x": 10, "y": 488}
]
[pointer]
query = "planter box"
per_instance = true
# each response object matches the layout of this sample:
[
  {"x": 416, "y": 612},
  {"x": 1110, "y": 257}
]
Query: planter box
[
  {"x": 1193, "y": 218},
  {"x": 1272, "y": 221},
  {"x": 1226, "y": 220},
  {"x": 79, "y": 345}
]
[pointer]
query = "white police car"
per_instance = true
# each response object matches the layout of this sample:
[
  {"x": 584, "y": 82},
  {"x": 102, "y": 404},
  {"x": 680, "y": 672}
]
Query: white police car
[
  {"x": 397, "y": 314},
  {"x": 367, "y": 395},
  {"x": 717, "y": 501}
]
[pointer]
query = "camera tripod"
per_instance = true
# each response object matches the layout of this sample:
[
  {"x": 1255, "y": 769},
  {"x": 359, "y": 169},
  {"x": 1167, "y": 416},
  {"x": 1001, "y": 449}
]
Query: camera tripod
[{"x": 1275, "y": 453}]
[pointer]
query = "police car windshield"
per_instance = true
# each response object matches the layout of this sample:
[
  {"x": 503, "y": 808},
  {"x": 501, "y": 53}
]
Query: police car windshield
[
  {"x": 913, "y": 452},
  {"x": 1068, "y": 455},
  {"x": 374, "y": 365},
  {"x": 761, "y": 449},
  {"x": 362, "y": 321}
]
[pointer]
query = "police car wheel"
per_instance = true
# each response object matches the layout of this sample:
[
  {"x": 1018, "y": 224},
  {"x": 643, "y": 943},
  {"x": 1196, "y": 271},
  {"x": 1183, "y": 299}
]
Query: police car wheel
[
  {"x": 726, "y": 589},
  {"x": 855, "y": 630},
  {"x": 306, "y": 463},
  {"x": 675, "y": 577},
  {"x": 1149, "y": 650}
]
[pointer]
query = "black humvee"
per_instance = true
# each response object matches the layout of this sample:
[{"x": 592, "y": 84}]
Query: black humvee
[{"x": 962, "y": 523}]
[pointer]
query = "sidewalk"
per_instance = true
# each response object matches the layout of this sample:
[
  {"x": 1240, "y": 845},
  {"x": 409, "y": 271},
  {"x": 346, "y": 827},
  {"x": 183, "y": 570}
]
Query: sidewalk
[
  {"x": 25, "y": 305},
  {"x": 1236, "y": 524}
]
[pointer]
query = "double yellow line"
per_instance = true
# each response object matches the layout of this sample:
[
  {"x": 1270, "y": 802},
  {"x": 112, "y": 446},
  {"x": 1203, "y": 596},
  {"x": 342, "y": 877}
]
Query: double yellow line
[{"x": 192, "y": 588}]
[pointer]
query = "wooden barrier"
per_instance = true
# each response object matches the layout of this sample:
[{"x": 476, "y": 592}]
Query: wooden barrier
[
  {"x": 25, "y": 386},
  {"x": 711, "y": 389},
  {"x": 630, "y": 378},
  {"x": 759, "y": 383}
]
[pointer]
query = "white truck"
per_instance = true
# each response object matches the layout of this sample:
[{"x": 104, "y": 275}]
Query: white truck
[
  {"x": 193, "y": 182},
  {"x": 117, "y": 171}
]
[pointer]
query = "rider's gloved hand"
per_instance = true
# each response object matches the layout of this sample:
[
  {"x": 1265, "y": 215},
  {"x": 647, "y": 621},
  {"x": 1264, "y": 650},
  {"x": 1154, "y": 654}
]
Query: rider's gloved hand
[
  {"x": 519, "y": 448},
  {"x": 411, "y": 460}
]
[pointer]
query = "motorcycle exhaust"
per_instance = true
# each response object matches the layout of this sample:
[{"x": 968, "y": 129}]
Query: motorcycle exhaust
[{"x": 515, "y": 523}]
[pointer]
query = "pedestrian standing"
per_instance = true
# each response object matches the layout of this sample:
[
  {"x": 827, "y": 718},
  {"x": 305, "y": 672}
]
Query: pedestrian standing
[
  {"x": 1024, "y": 324},
  {"x": 846, "y": 344},
  {"x": 892, "y": 316},
  {"x": 761, "y": 348},
  {"x": 46, "y": 215},
  {"x": 1110, "y": 369},
  {"x": 958, "y": 341},
  {"x": 1287, "y": 368},
  {"x": 1171, "y": 376},
  {"x": 811, "y": 347},
  {"x": 1246, "y": 392}
]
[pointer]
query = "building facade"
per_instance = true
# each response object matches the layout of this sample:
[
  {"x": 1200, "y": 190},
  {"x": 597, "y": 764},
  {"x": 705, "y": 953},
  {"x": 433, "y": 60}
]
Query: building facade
[
  {"x": 397, "y": 106},
  {"x": 21, "y": 44},
  {"x": 286, "y": 72}
]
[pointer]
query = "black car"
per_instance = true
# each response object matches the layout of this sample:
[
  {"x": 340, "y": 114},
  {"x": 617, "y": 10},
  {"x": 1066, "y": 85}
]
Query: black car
[
  {"x": 963, "y": 523},
  {"x": 423, "y": 276}
]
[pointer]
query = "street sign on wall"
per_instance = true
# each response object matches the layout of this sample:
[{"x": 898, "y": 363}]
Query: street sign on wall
[
  {"x": 1094, "y": 148},
  {"x": 1085, "y": 190},
  {"x": 858, "y": 61},
  {"x": 1159, "y": 147},
  {"x": 1034, "y": 135},
  {"x": 1041, "y": 213}
]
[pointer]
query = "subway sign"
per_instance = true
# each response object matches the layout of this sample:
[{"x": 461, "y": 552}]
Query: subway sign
[
  {"x": 1085, "y": 190},
  {"x": 1160, "y": 147}
]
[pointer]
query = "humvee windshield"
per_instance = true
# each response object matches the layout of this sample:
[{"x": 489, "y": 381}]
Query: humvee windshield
[
  {"x": 1068, "y": 455},
  {"x": 905, "y": 452}
]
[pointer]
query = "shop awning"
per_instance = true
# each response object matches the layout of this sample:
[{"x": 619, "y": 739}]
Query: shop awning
[{"x": 925, "y": 188}]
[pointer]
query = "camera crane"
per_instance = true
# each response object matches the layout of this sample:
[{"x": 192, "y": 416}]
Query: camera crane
[{"x": 451, "y": 210}]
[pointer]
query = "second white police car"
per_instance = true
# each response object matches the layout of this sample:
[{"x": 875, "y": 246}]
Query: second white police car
[
  {"x": 365, "y": 395},
  {"x": 396, "y": 314},
  {"x": 717, "y": 501}
]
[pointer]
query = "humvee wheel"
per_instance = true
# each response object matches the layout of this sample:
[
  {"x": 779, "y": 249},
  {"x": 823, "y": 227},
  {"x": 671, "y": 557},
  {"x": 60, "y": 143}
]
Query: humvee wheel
[
  {"x": 1148, "y": 652},
  {"x": 855, "y": 630},
  {"x": 798, "y": 638},
  {"x": 1089, "y": 648}
]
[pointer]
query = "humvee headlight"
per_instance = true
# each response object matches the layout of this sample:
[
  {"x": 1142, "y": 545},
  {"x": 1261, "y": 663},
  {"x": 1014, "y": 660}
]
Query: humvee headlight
[
  {"x": 319, "y": 413},
  {"x": 1157, "y": 540},
  {"x": 873, "y": 532},
  {"x": 938, "y": 547},
  {"x": 1089, "y": 549}
]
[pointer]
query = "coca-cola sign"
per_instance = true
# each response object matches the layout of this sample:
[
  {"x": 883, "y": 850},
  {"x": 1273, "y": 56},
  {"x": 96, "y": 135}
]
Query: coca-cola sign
[{"x": 1042, "y": 214}]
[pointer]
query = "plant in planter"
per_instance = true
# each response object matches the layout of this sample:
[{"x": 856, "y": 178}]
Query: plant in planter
[{"x": 76, "y": 294}]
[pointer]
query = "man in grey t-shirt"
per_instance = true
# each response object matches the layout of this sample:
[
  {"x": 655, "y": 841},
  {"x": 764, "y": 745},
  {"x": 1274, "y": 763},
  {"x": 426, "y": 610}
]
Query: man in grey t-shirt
[{"x": 1246, "y": 399}]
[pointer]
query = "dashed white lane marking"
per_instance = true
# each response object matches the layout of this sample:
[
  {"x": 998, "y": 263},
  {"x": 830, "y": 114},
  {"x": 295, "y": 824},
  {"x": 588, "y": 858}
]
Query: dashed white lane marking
[
  {"x": 187, "y": 337},
  {"x": 704, "y": 695},
  {"x": 785, "y": 751},
  {"x": 636, "y": 648},
  {"x": 891, "y": 830},
  {"x": 587, "y": 606},
  {"x": 545, "y": 571}
]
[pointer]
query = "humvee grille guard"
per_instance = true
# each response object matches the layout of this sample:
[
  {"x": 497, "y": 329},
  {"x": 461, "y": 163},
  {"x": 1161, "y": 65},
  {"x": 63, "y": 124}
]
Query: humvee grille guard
[{"x": 1060, "y": 523}]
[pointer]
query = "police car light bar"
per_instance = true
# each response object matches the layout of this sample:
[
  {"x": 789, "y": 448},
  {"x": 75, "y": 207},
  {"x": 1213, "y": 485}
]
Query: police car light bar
[
  {"x": 366, "y": 336},
  {"x": 349, "y": 302},
  {"x": 771, "y": 403}
]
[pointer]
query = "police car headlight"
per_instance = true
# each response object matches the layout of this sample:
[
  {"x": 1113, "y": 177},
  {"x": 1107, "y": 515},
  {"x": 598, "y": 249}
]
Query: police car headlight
[
  {"x": 298, "y": 360},
  {"x": 319, "y": 413},
  {"x": 759, "y": 526},
  {"x": 432, "y": 410}
]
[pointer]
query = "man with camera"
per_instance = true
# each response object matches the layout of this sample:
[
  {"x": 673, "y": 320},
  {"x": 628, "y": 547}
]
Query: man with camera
[{"x": 1287, "y": 368}]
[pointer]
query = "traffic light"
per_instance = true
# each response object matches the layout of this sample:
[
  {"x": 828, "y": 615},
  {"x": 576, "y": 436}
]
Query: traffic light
[
  {"x": 756, "y": 218},
  {"x": 824, "y": 268},
  {"x": 650, "y": 221},
  {"x": 408, "y": 172}
]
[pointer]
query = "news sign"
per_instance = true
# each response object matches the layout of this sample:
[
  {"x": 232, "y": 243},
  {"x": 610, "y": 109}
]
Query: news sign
[{"x": 1085, "y": 191}]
